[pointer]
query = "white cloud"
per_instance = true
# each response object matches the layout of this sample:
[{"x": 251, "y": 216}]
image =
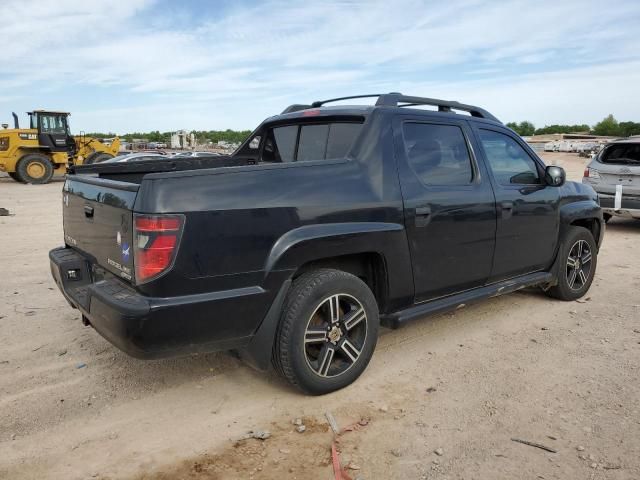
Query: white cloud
[{"x": 230, "y": 70}]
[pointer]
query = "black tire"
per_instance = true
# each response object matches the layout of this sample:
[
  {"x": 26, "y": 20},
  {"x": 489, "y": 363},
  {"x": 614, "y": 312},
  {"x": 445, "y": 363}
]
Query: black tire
[
  {"x": 97, "y": 157},
  {"x": 34, "y": 168},
  {"x": 606, "y": 217},
  {"x": 579, "y": 249},
  {"x": 309, "y": 304},
  {"x": 14, "y": 176}
]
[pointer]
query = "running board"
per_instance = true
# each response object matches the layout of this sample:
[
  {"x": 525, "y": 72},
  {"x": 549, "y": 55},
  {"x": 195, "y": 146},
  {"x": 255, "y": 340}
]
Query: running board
[{"x": 459, "y": 300}]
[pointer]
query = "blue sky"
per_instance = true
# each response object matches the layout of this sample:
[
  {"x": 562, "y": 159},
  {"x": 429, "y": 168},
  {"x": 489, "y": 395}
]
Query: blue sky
[{"x": 166, "y": 65}]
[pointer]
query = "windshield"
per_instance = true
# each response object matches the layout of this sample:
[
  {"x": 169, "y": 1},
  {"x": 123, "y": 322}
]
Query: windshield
[
  {"x": 50, "y": 123},
  {"x": 624, "y": 153}
]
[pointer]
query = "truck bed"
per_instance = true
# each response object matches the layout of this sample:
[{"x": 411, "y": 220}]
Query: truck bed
[{"x": 132, "y": 172}]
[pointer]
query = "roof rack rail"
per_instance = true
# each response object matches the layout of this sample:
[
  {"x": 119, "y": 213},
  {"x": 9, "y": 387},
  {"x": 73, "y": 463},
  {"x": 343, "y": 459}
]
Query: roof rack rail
[
  {"x": 331, "y": 100},
  {"x": 396, "y": 99}
]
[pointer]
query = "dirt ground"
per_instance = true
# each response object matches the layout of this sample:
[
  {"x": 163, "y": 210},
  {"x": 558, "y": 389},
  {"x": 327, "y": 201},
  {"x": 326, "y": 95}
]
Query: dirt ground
[{"x": 565, "y": 375}]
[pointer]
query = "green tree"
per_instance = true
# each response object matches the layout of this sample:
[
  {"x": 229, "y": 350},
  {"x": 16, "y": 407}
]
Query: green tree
[
  {"x": 524, "y": 128},
  {"x": 607, "y": 126},
  {"x": 629, "y": 128},
  {"x": 549, "y": 129}
]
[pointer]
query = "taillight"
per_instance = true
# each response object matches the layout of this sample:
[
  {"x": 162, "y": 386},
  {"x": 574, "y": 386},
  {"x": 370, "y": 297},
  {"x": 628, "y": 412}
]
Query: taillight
[
  {"x": 591, "y": 173},
  {"x": 155, "y": 244}
]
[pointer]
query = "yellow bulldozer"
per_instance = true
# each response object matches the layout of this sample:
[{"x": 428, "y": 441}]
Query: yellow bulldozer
[{"x": 35, "y": 154}]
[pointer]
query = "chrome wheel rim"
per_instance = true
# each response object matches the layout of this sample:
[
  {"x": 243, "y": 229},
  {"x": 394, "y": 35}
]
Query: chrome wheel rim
[
  {"x": 579, "y": 265},
  {"x": 335, "y": 335}
]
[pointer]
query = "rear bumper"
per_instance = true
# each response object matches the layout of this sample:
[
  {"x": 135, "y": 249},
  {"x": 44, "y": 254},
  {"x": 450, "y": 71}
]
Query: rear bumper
[
  {"x": 150, "y": 327},
  {"x": 629, "y": 206}
]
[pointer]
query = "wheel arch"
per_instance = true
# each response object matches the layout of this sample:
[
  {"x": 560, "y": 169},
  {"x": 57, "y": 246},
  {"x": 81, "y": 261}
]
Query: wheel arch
[
  {"x": 360, "y": 248},
  {"x": 585, "y": 214}
]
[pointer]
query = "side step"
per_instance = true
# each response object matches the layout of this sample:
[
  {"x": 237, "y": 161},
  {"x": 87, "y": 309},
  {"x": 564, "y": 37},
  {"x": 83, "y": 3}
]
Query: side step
[{"x": 453, "y": 302}]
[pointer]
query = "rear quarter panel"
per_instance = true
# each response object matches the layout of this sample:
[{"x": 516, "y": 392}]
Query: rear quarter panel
[{"x": 255, "y": 225}]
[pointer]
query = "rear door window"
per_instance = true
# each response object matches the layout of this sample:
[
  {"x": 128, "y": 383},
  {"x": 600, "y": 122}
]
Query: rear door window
[{"x": 438, "y": 154}]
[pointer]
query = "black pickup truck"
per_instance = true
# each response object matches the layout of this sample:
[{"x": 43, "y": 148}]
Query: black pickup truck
[{"x": 328, "y": 222}]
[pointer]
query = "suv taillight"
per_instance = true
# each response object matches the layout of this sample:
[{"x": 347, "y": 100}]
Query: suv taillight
[
  {"x": 591, "y": 173},
  {"x": 156, "y": 239}
]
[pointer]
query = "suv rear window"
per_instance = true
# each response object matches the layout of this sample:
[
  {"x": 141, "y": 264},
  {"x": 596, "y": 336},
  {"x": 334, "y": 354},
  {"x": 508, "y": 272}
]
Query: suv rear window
[
  {"x": 622, "y": 154},
  {"x": 306, "y": 142}
]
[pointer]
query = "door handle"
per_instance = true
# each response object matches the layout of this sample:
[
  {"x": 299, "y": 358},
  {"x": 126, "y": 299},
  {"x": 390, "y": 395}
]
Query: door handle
[
  {"x": 507, "y": 209},
  {"x": 88, "y": 211},
  {"x": 423, "y": 215}
]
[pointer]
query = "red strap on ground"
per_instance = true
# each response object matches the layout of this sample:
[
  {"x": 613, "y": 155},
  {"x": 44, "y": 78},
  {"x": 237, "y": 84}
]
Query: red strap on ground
[{"x": 337, "y": 471}]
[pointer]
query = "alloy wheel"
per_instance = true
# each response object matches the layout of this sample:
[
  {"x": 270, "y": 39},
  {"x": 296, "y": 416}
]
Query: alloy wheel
[
  {"x": 335, "y": 335},
  {"x": 579, "y": 265}
]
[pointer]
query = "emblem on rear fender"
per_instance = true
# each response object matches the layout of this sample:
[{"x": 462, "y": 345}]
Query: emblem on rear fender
[{"x": 125, "y": 252}]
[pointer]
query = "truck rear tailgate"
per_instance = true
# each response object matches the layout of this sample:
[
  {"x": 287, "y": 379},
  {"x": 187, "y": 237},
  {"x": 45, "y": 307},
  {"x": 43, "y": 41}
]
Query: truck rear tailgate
[{"x": 98, "y": 221}]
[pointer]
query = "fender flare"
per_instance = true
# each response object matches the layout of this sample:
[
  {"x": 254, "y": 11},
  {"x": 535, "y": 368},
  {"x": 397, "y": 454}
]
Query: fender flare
[{"x": 300, "y": 245}]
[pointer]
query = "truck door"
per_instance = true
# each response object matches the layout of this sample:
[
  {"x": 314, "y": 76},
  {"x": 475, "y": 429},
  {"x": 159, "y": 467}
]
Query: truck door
[
  {"x": 450, "y": 212},
  {"x": 528, "y": 218}
]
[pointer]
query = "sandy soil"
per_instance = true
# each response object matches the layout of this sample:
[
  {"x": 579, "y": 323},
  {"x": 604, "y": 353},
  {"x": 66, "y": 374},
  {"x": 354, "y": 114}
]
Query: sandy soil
[{"x": 565, "y": 375}]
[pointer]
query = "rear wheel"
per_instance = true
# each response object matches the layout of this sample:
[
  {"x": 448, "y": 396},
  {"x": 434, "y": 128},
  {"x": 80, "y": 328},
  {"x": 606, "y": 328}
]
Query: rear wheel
[
  {"x": 578, "y": 259},
  {"x": 327, "y": 332},
  {"x": 34, "y": 168},
  {"x": 97, "y": 157}
]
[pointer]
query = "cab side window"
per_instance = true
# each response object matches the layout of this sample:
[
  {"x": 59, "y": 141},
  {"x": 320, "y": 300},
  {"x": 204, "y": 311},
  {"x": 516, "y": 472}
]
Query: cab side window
[{"x": 509, "y": 162}]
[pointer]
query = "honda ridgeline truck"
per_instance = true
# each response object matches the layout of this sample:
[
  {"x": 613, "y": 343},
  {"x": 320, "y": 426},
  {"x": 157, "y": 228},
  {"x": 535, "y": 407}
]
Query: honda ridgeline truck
[{"x": 327, "y": 222}]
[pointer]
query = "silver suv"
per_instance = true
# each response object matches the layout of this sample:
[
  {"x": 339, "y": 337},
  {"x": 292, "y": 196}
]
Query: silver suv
[{"x": 615, "y": 174}]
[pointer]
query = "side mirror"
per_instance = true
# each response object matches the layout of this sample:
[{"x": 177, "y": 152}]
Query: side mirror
[{"x": 555, "y": 176}]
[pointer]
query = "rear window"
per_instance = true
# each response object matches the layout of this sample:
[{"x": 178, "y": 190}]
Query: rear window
[
  {"x": 623, "y": 154},
  {"x": 306, "y": 142}
]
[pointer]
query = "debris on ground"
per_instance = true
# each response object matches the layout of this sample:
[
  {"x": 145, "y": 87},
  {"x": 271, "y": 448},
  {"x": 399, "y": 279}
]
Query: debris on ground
[
  {"x": 332, "y": 422},
  {"x": 396, "y": 453},
  {"x": 300, "y": 428},
  {"x": 533, "y": 444},
  {"x": 439, "y": 451},
  {"x": 61, "y": 352},
  {"x": 297, "y": 422},
  {"x": 580, "y": 448},
  {"x": 81, "y": 365},
  {"x": 258, "y": 434},
  {"x": 4, "y": 212},
  {"x": 431, "y": 389}
]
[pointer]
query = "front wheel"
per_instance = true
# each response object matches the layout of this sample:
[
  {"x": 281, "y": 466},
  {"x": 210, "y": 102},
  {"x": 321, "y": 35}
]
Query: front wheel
[
  {"x": 34, "y": 168},
  {"x": 328, "y": 331},
  {"x": 578, "y": 257}
]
